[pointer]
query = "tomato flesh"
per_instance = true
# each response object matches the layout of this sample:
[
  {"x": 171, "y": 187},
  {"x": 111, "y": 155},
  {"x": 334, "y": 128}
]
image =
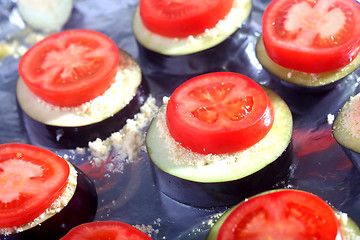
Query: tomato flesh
[
  {"x": 71, "y": 67},
  {"x": 285, "y": 214},
  {"x": 31, "y": 179},
  {"x": 312, "y": 35},
  {"x": 107, "y": 230},
  {"x": 182, "y": 18},
  {"x": 220, "y": 112}
]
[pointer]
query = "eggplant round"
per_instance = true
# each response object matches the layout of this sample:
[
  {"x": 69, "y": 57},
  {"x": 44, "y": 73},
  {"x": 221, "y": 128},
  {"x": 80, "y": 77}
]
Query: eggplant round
[
  {"x": 80, "y": 209},
  {"x": 55, "y": 127},
  {"x": 163, "y": 57},
  {"x": 346, "y": 131},
  {"x": 350, "y": 229},
  {"x": 224, "y": 181},
  {"x": 301, "y": 81}
]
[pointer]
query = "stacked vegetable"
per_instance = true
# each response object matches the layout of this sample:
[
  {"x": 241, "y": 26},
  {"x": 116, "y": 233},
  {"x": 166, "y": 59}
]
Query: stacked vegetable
[
  {"x": 76, "y": 86},
  {"x": 220, "y": 137},
  {"x": 310, "y": 45},
  {"x": 42, "y": 195},
  {"x": 182, "y": 39}
]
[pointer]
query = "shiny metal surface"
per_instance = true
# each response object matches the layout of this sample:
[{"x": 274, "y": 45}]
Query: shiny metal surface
[{"x": 129, "y": 195}]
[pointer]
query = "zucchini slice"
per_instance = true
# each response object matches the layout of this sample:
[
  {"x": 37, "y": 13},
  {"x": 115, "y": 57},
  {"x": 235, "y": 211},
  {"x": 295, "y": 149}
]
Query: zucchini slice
[
  {"x": 73, "y": 127},
  {"x": 346, "y": 130},
  {"x": 227, "y": 178},
  {"x": 301, "y": 80}
]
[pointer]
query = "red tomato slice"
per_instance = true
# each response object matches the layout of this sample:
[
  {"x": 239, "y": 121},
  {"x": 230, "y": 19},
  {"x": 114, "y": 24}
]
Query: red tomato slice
[
  {"x": 70, "y": 67},
  {"x": 312, "y": 35},
  {"x": 219, "y": 112},
  {"x": 31, "y": 179},
  {"x": 286, "y": 214},
  {"x": 182, "y": 18},
  {"x": 106, "y": 230}
]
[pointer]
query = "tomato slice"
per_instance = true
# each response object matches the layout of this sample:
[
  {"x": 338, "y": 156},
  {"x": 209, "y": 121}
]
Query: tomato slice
[
  {"x": 219, "y": 112},
  {"x": 31, "y": 179},
  {"x": 312, "y": 35},
  {"x": 182, "y": 18},
  {"x": 71, "y": 67},
  {"x": 285, "y": 214},
  {"x": 109, "y": 230}
]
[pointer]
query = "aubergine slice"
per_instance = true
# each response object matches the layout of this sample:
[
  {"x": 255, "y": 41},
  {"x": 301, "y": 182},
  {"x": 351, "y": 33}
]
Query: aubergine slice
[
  {"x": 229, "y": 178},
  {"x": 349, "y": 228},
  {"x": 80, "y": 209},
  {"x": 161, "y": 56},
  {"x": 308, "y": 82},
  {"x": 346, "y": 129},
  {"x": 55, "y": 127}
]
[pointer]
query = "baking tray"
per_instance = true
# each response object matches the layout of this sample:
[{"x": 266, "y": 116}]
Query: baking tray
[{"x": 126, "y": 190}]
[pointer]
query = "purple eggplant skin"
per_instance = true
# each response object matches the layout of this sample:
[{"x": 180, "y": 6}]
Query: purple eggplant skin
[
  {"x": 353, "y": 156},
  {"x": 81, "y": 209},
  {"x": 220, "y": 194},
  {"x": 71, "y": 137},
  {"x": 161, "y": 67}
]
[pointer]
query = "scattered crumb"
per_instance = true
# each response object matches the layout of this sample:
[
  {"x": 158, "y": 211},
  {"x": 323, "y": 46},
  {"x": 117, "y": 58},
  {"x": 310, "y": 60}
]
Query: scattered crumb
[
  {"x": 213, "y": 219},
  {"x": 14, "y": 47},
  {"x": 165, "y": 99},
  {"x": 330, "y": 118},
  {"x": 289, "y": 74},
  {"x": 33, "y": 38},
  {"x": 314, "y": 76},
  {"x": 149, "y": 229},
  {"x": 96, "y": 162},
  {"x": 100, "y": 148},
  {"x": 125, "y": 145},
  {"x": 80, "y": 150},
  {"x": 349, "y": 233}
]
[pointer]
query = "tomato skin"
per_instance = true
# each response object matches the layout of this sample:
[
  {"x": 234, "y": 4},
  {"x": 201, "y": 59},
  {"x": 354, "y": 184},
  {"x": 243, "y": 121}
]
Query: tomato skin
[
  {"x": 225, "y": 135},
  {"x": 282, "y": 214},
  {"x": 180, "y": 19},
  {"x": 71, "y": 67},
  {"x": 312, "y": 55},
  {"x": 53, "y": 181},
  {"x": 106, "y": 230}
]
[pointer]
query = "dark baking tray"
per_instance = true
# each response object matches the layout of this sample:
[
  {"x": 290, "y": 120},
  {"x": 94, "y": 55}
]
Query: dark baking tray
[{"x": 129, "y": 195}]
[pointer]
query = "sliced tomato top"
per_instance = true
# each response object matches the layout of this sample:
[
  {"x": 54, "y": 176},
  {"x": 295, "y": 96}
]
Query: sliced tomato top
[
  {"x": 31, "y": 179},
  {"x": 285, "y": 214},
  {"x": 106, "y": 230},
  {"x": 71, "y": 67},
  {"x": 312, "y": 35},
  {"x": 182, "y": 18},
  {"x": 220, "y": 112}
]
